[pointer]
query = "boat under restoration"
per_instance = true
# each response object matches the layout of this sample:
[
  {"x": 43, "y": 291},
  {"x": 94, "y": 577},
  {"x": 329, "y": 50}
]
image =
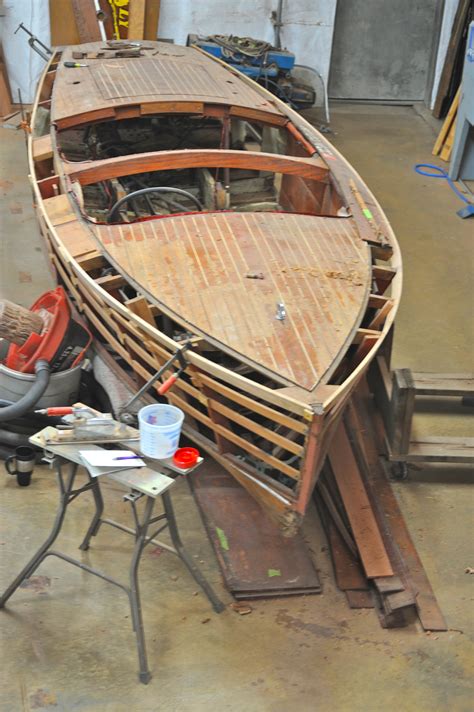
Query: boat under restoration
[{"x": 184, "y": 206}]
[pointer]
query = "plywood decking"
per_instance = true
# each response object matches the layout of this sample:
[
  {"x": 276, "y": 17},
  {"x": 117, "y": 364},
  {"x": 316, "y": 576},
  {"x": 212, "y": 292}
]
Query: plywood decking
[{"x": 196, "y": 266}]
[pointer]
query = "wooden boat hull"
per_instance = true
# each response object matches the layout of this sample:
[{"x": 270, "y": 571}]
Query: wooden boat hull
[{"x": 269, "y": 432}]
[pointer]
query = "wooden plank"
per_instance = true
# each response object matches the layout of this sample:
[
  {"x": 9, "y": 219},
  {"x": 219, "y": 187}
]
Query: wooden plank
[
  {"x": 347, "y": 569},
  {"x": 447, "y": 124},
  {"x": 42, "y": 148},
  {"x": 59, "y": 209},
  {"x": 379, "y": 319},
  {"x": 402, "y": 406},
  {"x": 408, "y": 563},
  {"x": 443, "y": 384},
  {"x": 445, "y": 154},
  {"x": 86, "y": 20},
  {"x": 87, "y": 173},
  {"x": 441, "y": 449},
  {"x": 451, "y": 52},
  {"x": 255, "y": 558},
  {"x": 111, "y": 281},
  {"x": 152, "y": 19},
  {"x": 364, "y": 526},
  {"x": 140, "y": 307},
  {"x": 360, "y": 599},
  {"x": 91, "y": 260},
  {"x": 383, "y": 276},
  {"x": 5, "y": 96},
  {"x": 136, "y": 19},
  {"x": 63, "y": 23}
]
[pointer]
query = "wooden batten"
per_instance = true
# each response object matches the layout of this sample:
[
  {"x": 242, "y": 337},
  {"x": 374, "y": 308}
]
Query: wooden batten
[{"x": 87, "y": 173}]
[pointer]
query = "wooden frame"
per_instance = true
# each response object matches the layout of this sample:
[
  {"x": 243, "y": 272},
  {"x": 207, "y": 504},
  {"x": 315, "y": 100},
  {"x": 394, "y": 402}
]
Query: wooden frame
[{"x": 253, "y": 430}]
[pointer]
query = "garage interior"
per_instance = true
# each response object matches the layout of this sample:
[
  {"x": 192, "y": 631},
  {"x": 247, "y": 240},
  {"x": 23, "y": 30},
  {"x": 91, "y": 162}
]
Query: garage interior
[{"x": 66, "y": 637}]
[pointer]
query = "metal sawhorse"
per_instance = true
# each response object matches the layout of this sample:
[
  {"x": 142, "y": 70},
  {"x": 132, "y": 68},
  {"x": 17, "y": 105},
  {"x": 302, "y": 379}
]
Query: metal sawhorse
[{"x": 141, "y": 482}]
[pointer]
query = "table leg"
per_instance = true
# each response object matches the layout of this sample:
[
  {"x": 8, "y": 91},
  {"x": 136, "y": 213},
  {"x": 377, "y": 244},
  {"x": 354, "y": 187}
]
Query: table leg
[
  {"x": 42, "y": 551},
  {"x": 134, "y": 594},
  {"x": 99, "y": 509},
  {"x": 217, "y": 604}
]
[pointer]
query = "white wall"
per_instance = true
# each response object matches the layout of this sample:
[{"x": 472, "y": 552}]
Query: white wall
[
  {"x": 307, "y": 31},
  {"x": 308, "y": 27},
  {"x": 24, "y": 66}
]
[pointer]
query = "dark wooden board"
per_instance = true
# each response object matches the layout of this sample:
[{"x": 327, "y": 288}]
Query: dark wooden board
[
  {"x": 255, "y": 559},
  {"x": 404, "y": 555},
  {"x": 363, "y": 523}
]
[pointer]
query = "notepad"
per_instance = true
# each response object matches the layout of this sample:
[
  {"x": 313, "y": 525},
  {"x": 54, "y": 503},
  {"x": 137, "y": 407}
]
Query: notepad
[{"x": 119, "y": 459}]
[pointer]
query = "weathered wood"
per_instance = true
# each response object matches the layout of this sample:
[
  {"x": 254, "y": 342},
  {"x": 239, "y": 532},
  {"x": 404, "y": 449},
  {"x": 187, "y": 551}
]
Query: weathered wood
[
  {"x": 402, "y": 407},
  {"x": 152, "y": 19},
  {"x": 136, "y": 19},
  {"x": 18, "y": 323},
  {"x": 86, "y": 20},
  {"x": 440, "y": 449},
  {"x": 443, "y": 384}
]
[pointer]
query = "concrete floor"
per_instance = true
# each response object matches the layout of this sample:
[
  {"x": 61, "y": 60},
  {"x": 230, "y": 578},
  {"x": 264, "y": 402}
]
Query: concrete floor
[{"x": 66, "y": 638}]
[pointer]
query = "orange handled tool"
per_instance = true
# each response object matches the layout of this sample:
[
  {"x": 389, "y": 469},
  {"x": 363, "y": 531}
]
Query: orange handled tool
[
  {"x": 167, "y": 384},
  {"x": 60, "y": 410},
  {"x": 64, "y": 410}
]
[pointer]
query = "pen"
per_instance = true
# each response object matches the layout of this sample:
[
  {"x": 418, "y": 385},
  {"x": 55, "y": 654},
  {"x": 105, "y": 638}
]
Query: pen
[{"x": 128, "y": 457}]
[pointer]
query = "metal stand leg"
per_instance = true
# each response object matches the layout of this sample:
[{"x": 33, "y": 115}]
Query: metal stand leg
[
  {"x": 96, "y": 520},
  {"x": 42, "y": 551},
  {"x": 134, "y": 593},
  {"x": 217, "y": 604}
]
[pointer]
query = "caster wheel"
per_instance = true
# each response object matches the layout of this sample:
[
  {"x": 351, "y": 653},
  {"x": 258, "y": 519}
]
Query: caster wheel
[{"x": 399, "y": 471}]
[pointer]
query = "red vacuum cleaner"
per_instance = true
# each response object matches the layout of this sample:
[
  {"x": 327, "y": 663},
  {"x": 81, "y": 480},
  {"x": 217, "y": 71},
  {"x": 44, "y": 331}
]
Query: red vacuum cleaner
[{"x": 61, "y": 341}]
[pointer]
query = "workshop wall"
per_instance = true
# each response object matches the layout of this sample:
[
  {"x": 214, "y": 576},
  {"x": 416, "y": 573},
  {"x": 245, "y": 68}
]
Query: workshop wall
[
  {"x": 24, "y": 66},
  {"x": 307, "y": 30}
]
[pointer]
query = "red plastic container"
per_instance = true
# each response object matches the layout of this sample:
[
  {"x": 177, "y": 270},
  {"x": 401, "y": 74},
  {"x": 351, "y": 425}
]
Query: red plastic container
[
  {"x": 63, "y": 342},
  {"x": 185, "y": 457}
]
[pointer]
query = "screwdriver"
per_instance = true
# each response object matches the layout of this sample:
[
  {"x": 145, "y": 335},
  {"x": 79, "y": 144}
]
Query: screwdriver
[{"x": 71, "y": 65}]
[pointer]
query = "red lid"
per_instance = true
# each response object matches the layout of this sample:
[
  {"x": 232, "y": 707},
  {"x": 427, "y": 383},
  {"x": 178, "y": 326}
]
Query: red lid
[{"x": 185, "y": 457}]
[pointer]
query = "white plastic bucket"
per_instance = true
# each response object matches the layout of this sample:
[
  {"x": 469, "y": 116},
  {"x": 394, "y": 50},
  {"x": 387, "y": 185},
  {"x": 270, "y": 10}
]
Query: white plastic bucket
[{"x": 160, "y": 428}]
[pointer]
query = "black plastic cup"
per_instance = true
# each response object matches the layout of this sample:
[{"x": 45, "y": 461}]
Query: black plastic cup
[{"x": 21, "y": 464}]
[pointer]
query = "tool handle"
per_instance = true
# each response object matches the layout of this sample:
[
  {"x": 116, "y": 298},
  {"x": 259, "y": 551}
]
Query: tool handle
[
  {"x": 167, "y": 384},
  {"x": 63, "y": 410}
]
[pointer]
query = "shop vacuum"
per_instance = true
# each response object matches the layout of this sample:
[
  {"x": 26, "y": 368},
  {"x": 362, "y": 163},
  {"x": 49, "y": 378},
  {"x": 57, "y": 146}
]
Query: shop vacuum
[{"x": 42, "y": 352}]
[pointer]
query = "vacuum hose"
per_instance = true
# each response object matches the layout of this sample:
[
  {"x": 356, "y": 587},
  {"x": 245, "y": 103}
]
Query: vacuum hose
[{"x": 29, "y": 400}]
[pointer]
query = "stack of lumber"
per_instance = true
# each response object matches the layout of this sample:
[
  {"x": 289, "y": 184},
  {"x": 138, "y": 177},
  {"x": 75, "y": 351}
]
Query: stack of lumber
[
  {"x": 454, "y": 60},
  {"x": 374, "y": 559},
  {"x": 444, "y": 143},
  {"x": 77, "y": 21}
]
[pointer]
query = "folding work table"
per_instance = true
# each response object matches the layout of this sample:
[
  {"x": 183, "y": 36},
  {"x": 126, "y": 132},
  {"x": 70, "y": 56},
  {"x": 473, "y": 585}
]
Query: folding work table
[{"x": 140, "y": 483}]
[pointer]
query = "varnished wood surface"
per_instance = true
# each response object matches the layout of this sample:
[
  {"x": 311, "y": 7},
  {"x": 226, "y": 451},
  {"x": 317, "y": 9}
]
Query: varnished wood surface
[
  {"x": 87, "y": 172},
  {"x": 196, "y": 265},
  {"x": 166, "y": 73}
]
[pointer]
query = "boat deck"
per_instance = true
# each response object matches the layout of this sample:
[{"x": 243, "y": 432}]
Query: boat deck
[
  {"x": 222, "y": 275},
  {"x": 176, "y": 78}
]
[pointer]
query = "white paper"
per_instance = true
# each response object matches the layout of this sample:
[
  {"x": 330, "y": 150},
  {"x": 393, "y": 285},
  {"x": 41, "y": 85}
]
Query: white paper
[{"x": 109, "y": 458}]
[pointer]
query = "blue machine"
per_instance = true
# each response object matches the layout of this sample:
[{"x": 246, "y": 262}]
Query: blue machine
[{"x": 267, "y": 65}]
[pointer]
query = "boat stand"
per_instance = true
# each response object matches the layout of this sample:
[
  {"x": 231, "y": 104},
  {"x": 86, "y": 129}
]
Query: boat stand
[{"x": 141, "y": 482}]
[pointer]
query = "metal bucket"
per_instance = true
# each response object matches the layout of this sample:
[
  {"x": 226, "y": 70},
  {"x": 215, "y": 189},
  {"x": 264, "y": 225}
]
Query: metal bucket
[{"x": 63, "y": 387}]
